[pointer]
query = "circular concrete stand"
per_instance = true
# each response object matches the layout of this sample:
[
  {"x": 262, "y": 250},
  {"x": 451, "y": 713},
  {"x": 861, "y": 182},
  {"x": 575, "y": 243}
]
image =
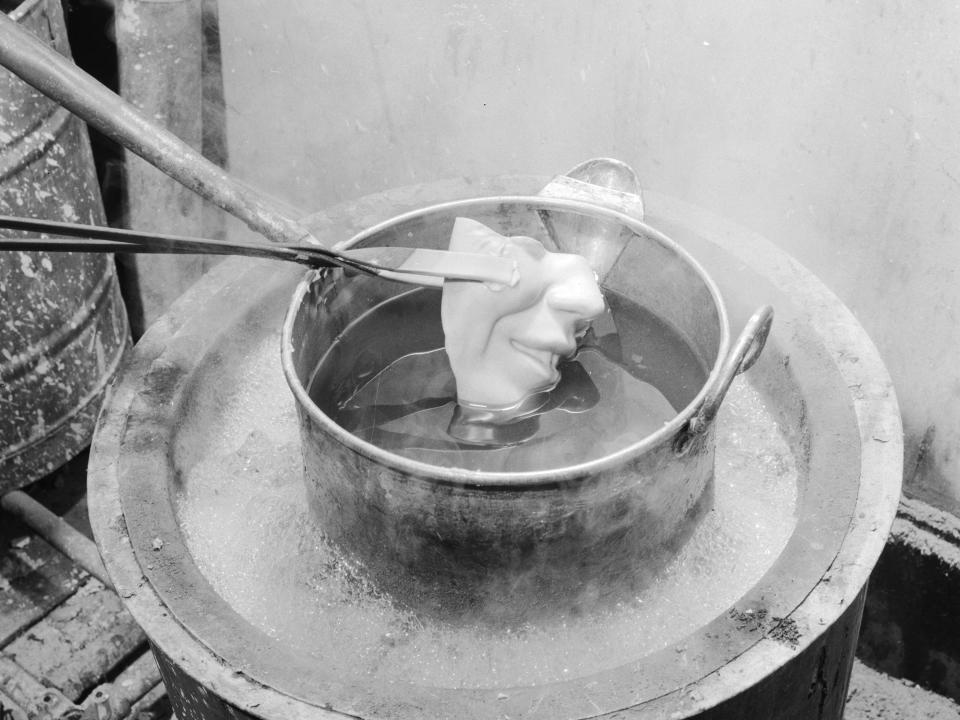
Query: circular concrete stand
[{"x": 784, "y": 649}]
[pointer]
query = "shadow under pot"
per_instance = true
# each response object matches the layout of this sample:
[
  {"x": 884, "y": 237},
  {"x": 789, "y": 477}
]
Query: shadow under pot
[{"x": 590, "y": 506}]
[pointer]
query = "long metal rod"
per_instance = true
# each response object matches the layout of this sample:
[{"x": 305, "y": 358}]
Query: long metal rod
[
  {"x": 420, "y": 266},
  {"x": 98, "y": 238},
  {"x": 58, "y": 532},
  {"x": 59, "y": 78}
]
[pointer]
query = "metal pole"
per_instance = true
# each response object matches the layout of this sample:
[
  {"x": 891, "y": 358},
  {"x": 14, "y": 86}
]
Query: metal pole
[{"x": 58, "y": 532}]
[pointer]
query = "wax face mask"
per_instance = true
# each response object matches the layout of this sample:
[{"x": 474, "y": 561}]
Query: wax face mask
[{"x": 504, "y": 343}]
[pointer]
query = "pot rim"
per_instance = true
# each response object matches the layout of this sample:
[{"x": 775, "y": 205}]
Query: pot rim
[{"x": 535, "y": 479}]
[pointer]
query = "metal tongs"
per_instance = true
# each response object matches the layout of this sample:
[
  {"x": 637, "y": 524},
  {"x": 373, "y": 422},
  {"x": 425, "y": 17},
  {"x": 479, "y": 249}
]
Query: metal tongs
[
  {"x": 418, "y": 266},
  {"x": 60, "y": 79}
]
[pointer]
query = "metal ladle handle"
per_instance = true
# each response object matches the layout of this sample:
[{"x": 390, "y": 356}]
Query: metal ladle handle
[
  {"x": 601, "y": 181},
  {"x": 745, "y": 352},
  {"x": 59, "y": 78}
]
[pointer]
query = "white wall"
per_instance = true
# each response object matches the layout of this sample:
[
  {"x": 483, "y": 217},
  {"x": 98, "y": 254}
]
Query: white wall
[{"x": 833, "y": 128}]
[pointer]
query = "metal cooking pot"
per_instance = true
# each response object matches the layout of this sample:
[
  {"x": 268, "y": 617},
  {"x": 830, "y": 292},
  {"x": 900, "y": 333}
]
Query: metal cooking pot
[{"x": 503, "y": 545}]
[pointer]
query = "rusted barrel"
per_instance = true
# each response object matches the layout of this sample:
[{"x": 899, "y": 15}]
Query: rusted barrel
[{"x": 63, "y": 329}]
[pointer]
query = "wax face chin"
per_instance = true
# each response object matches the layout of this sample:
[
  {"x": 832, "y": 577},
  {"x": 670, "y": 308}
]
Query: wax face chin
[{"x": 504, "y": 342}]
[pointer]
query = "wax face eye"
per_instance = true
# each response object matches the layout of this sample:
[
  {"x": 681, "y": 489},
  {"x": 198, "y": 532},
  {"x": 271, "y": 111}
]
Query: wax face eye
[{"x": 504, "y": 346}]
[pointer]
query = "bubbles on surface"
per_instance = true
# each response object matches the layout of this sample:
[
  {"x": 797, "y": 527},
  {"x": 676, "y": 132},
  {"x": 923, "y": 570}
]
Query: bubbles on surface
[{"x": 243, "y": 510}]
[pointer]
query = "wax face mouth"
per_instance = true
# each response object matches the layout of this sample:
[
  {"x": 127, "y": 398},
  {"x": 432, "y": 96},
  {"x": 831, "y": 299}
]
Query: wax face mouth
[
  {"x": 541, "y": 358},
  {"x": 504, "y": 343}
]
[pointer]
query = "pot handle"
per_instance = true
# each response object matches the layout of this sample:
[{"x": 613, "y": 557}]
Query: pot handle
[{"x": 746, "y": 350}]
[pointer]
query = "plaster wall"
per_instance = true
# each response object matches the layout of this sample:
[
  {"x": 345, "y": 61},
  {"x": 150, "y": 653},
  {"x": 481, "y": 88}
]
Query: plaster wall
[{"x": 831, "y": 128}]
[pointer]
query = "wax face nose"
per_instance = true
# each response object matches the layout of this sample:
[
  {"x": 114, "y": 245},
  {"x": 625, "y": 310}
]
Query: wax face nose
[{"x": 577, "y": 299}]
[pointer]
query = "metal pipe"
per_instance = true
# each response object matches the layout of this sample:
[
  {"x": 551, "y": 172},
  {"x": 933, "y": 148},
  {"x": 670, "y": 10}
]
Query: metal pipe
[
  {"x": 56, "y": 531},
  {"x": 147, "y": 702},
  {"x": 136, "y": 680},
  {"x": 116, "y": 700}
]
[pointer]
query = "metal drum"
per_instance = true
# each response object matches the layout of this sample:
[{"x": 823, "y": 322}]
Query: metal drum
[{"x": 63, "y": 328}]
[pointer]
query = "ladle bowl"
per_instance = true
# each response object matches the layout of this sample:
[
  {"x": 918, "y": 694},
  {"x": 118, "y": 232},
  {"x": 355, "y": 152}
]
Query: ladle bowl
[{"x": 500, "y": 545}]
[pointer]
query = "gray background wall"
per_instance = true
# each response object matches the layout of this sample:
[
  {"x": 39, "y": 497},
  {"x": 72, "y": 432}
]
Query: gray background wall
[{"x": 829, "y": 127}]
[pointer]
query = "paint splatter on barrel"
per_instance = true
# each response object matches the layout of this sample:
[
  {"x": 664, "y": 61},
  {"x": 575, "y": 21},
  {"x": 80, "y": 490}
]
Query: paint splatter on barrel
[{"x": 63, "y": 328}]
